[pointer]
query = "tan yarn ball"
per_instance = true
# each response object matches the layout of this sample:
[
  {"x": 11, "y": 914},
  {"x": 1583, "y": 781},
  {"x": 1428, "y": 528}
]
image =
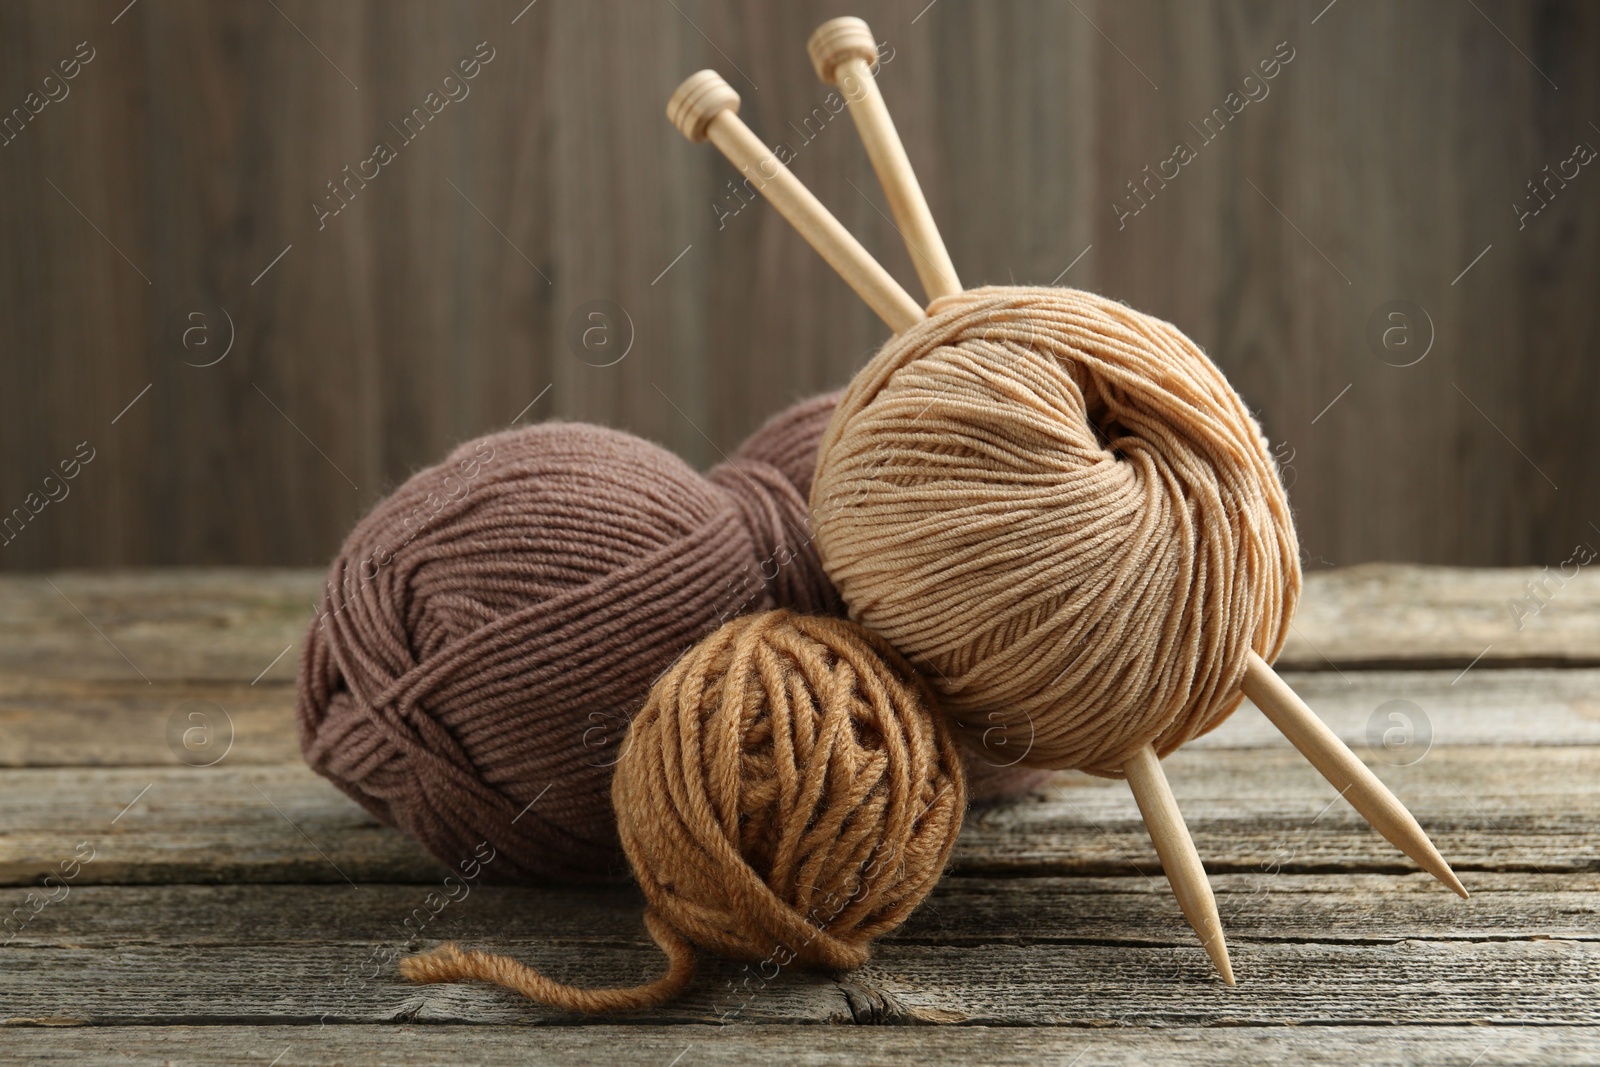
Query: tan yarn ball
[
  {"x": 786, "y": 795},
  {"x": 787, "y": 789},
  {"x": 1062, "y": 512}
]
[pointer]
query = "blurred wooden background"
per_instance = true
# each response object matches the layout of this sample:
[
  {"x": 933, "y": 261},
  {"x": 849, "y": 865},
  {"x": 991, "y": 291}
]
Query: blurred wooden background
[{"x": 142, "y": 211}]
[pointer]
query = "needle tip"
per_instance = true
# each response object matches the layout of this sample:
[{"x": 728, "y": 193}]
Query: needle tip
[
  {"x": 1437, "y": 867},
  {"x": 1217, "y": 949}
]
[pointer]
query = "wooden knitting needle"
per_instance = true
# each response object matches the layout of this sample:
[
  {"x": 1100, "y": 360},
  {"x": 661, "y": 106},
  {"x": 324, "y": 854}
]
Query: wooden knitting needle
[
  {"x": 843, "y": 51},
  {"x": 706, "y": 106},
  {"x": 1178, "y": 855},
  {"x": 1341, "y": 767}
]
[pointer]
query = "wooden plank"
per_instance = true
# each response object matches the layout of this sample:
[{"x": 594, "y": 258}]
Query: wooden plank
[
  {"x": 612, "y": 161},
  {"x": 1353, "y": 909},
  {"x": 1076, "y": 952},
  {"x": 228, "y": 624},
  {"x": 217, "y": 624},
  {"x": 1511, "y": 706},
  {"x": 1467, "y": 489},
  {"x": 1084, "y": 984},
  {"x": 50, "y": 722},
  {"x": 1487, "y": 808},
  {"x": 65, "y": 722},
  {"x": 1407, "y": 982},
  {"x": 274, "y": 823},
  {"x": 606, "y": 1045},
  {"x": 1397, "y": 615}
]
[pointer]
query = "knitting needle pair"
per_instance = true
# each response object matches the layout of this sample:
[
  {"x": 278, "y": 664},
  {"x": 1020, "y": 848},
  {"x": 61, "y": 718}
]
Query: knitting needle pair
[{"x": 843, "y": 51}]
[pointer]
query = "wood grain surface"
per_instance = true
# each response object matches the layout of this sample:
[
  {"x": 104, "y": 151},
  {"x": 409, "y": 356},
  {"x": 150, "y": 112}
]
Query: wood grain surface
[
  {"x": 406, "y": 1045},
  {"x": 165, "y": 207},
  {"x": 229, "y": 906},
  {"x": 231, "y": 624}
]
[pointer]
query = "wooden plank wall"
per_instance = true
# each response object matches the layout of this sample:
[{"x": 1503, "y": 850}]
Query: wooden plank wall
[{"x": 187, "y": 154}]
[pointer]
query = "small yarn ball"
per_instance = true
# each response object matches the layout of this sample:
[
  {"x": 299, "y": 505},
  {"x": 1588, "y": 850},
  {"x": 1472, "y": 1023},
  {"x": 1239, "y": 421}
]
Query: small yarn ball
[
  {"x": 1062, "y": 512},
  {"x": 787, "y": 786},
  {"x": 786, "y": 795}
]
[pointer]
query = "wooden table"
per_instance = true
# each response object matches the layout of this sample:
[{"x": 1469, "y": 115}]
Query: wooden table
[{"x": 244, "y": 912}]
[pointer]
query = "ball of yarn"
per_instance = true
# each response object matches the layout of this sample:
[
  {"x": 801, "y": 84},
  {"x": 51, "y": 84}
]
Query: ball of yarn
[
  {"x": 1059, "y": 509},
  {"x": 788, "y": 785},
  {"x": 786, "y": 794},
  {"x": 488, "y": 630}
]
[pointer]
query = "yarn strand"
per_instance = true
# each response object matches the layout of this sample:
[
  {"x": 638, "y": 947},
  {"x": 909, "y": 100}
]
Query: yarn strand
[{"x": 450, "y": 963}]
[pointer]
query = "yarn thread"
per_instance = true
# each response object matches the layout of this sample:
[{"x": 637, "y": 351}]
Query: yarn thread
[
  {"x": 1062, "y": 512},
  {"x": 786, "y": 794}
]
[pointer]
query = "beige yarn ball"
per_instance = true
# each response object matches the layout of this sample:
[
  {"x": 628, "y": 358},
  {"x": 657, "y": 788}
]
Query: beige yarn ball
[{"x": 1059, "y": 509}]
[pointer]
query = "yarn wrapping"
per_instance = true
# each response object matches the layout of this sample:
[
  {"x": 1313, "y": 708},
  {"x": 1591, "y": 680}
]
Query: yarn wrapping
[
  {"x": 1061, "y": 511},
  {"x": 786, "y": 795}
]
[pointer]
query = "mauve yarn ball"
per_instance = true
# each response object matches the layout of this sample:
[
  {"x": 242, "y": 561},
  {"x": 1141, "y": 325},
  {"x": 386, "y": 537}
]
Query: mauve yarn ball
[{"x": 488, "y": 630}]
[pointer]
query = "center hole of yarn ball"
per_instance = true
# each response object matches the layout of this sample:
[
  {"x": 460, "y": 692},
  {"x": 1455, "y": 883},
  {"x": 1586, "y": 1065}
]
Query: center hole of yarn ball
[{"x": 1032, "y": 415}]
